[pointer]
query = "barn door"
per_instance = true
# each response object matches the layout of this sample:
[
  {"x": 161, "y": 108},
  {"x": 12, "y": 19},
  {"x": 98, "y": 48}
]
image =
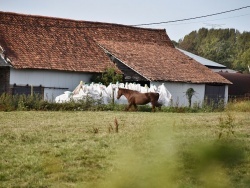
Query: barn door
[
  {"x": 214, "y": 94},
  {"x": 4, "y": 79}
]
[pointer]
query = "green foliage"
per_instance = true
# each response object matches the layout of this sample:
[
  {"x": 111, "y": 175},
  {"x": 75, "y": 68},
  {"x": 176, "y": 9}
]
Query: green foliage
[
  {"x": 36, "y": 103},
  {"x": 189, "y": 94},
  {"x": 22, "y": 102},
  {"x": 225, "y": 46},
  {"x": 108, "y": 76},
  {"x": 243, "y": 60}
]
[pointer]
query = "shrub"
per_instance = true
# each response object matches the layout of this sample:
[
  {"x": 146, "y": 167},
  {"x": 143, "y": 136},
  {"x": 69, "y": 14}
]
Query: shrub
[
  {"x": 8, "y": 102},
  {"x": 108, "y": 76},
  {"x": 35, "y": 102}
]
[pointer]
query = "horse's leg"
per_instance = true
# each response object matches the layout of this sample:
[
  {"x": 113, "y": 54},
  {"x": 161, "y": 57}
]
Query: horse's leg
[
  {"x": 153, "y": 106},
  {"x": 132, "y": 103},
  {"x": 135, "y": 106},
  {"x": 158, "y": 105},
  {"x": 129, "y": 105}
]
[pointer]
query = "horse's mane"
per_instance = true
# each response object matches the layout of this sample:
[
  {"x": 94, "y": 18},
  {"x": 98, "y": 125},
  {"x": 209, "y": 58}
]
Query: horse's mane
[{"x": 129, "y": 90}]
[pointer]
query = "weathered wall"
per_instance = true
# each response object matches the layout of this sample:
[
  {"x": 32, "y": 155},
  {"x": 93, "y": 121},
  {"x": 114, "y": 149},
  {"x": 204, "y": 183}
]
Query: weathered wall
[{"x": 54, "y": 82}]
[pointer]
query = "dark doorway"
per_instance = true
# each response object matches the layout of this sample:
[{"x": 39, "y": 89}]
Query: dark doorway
[
  {"x": 4, "y": 79},
  {"x": 214, "y": 94}
]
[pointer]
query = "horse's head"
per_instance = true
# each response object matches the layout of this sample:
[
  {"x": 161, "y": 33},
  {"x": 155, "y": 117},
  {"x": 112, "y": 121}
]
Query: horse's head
[{"x": 119, "y": 93}]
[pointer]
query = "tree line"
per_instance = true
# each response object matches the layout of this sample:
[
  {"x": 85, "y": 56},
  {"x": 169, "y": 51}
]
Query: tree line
[{"x": 228, "y": 47}]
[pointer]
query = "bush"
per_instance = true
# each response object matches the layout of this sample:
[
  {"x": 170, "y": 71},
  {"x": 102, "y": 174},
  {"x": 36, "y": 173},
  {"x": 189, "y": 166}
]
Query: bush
[
  {"x": 108, "y": 76},
  {"x": 8, "y": 102},
  {"x": 35, "y": 102}
]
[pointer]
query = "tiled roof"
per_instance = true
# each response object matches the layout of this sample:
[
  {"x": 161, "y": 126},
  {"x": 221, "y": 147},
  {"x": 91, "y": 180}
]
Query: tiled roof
[
  {"x": 30, "y": 44},
  {"x": 61, "y": 44},
  {"x": 162, "y": 63}
]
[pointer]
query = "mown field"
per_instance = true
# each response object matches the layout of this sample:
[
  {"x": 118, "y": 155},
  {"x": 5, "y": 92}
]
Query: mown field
[{"x": 124, "y": 149}]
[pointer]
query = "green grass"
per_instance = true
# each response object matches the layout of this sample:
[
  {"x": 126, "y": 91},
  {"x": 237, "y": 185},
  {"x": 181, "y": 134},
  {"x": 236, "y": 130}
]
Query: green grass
[{"x": 83, "y": 149}]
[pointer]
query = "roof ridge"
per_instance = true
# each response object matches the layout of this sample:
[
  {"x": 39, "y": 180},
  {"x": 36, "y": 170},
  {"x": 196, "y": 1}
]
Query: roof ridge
[{"x": 79, "y": 21}]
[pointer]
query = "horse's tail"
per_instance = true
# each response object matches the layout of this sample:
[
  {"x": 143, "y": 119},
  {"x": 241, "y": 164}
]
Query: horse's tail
[
  {"x": 158, "y": 104},
  {"x": 157, "y": 96}
]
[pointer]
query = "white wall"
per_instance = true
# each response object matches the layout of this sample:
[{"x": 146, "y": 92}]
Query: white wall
[
  {"x": 70, "y": 80},
  {"x": 46, "y": 78},
  {"x": 178, "y": 92}
]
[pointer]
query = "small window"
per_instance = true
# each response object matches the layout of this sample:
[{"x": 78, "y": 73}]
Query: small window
[{"x": 26, "y": 90}]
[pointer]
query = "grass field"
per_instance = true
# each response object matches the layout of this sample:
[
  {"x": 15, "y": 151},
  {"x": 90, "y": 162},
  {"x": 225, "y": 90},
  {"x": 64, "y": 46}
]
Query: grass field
[{"x": 140, "y": 149}]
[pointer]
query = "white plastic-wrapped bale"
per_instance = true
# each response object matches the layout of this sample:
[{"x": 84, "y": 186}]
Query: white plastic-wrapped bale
[{"x": 109, "y": 93}]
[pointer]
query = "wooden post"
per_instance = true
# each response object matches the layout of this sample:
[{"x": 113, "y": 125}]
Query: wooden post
[{"x": 31, "y": 90}]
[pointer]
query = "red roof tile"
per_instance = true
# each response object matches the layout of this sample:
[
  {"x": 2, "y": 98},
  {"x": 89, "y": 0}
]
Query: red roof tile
[
  {"x": 28, "y": 44},
  {"x": 61, "y": 44},
  {"x": 161, "y": 63}
]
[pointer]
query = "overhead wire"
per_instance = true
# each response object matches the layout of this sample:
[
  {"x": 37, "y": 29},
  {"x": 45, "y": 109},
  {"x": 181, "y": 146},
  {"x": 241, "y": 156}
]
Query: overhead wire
[
  {"x": 146, "y": 24},
  {"x": 197, "y": 17},
  {"x": 209, "y": 20}
]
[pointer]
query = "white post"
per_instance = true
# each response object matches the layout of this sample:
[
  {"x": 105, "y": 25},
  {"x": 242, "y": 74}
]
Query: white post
[{"x": 31, "y": 90}]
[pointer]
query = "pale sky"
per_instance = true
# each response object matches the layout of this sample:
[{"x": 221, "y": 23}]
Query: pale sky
[{"x": 142, "y": 12}]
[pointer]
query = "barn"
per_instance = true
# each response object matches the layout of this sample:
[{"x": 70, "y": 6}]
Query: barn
[
  {"x": 240, "y": 87},
  {"x": 53, "y": 54}
]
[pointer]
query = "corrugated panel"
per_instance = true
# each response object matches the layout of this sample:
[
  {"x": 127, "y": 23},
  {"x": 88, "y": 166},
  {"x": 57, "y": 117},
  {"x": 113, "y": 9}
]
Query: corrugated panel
[{"x": 202, "y": 60}]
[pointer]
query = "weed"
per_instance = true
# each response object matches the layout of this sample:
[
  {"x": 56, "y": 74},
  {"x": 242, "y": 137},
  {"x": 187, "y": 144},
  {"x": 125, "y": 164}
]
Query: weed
[
  {"x": 95, "y": 130},
  {"x": 116, "y": 125},
  {"x": 115, "y": 128},
  {"x": 238, "y": 106},
  {"x": 226, "y": 125}
]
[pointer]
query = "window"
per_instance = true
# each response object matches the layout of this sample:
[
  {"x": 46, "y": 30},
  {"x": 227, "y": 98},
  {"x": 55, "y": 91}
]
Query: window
[{"x": 26, "y": 90}]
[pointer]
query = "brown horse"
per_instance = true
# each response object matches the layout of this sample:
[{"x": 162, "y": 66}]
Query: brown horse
[{"x": 136, "y": 98}]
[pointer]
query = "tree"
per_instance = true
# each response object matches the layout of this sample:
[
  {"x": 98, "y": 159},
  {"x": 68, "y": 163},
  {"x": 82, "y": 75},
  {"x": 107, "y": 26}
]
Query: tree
[
  {"x": 243, "y": 61},
  {"x": 188, "y": 42},
  {"x": 225, "y": 46},
  {"x": 108, "y": 76}
]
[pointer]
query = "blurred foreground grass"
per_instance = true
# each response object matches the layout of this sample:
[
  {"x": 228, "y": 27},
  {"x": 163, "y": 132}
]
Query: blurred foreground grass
[{"x": 84, "y": 149}]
